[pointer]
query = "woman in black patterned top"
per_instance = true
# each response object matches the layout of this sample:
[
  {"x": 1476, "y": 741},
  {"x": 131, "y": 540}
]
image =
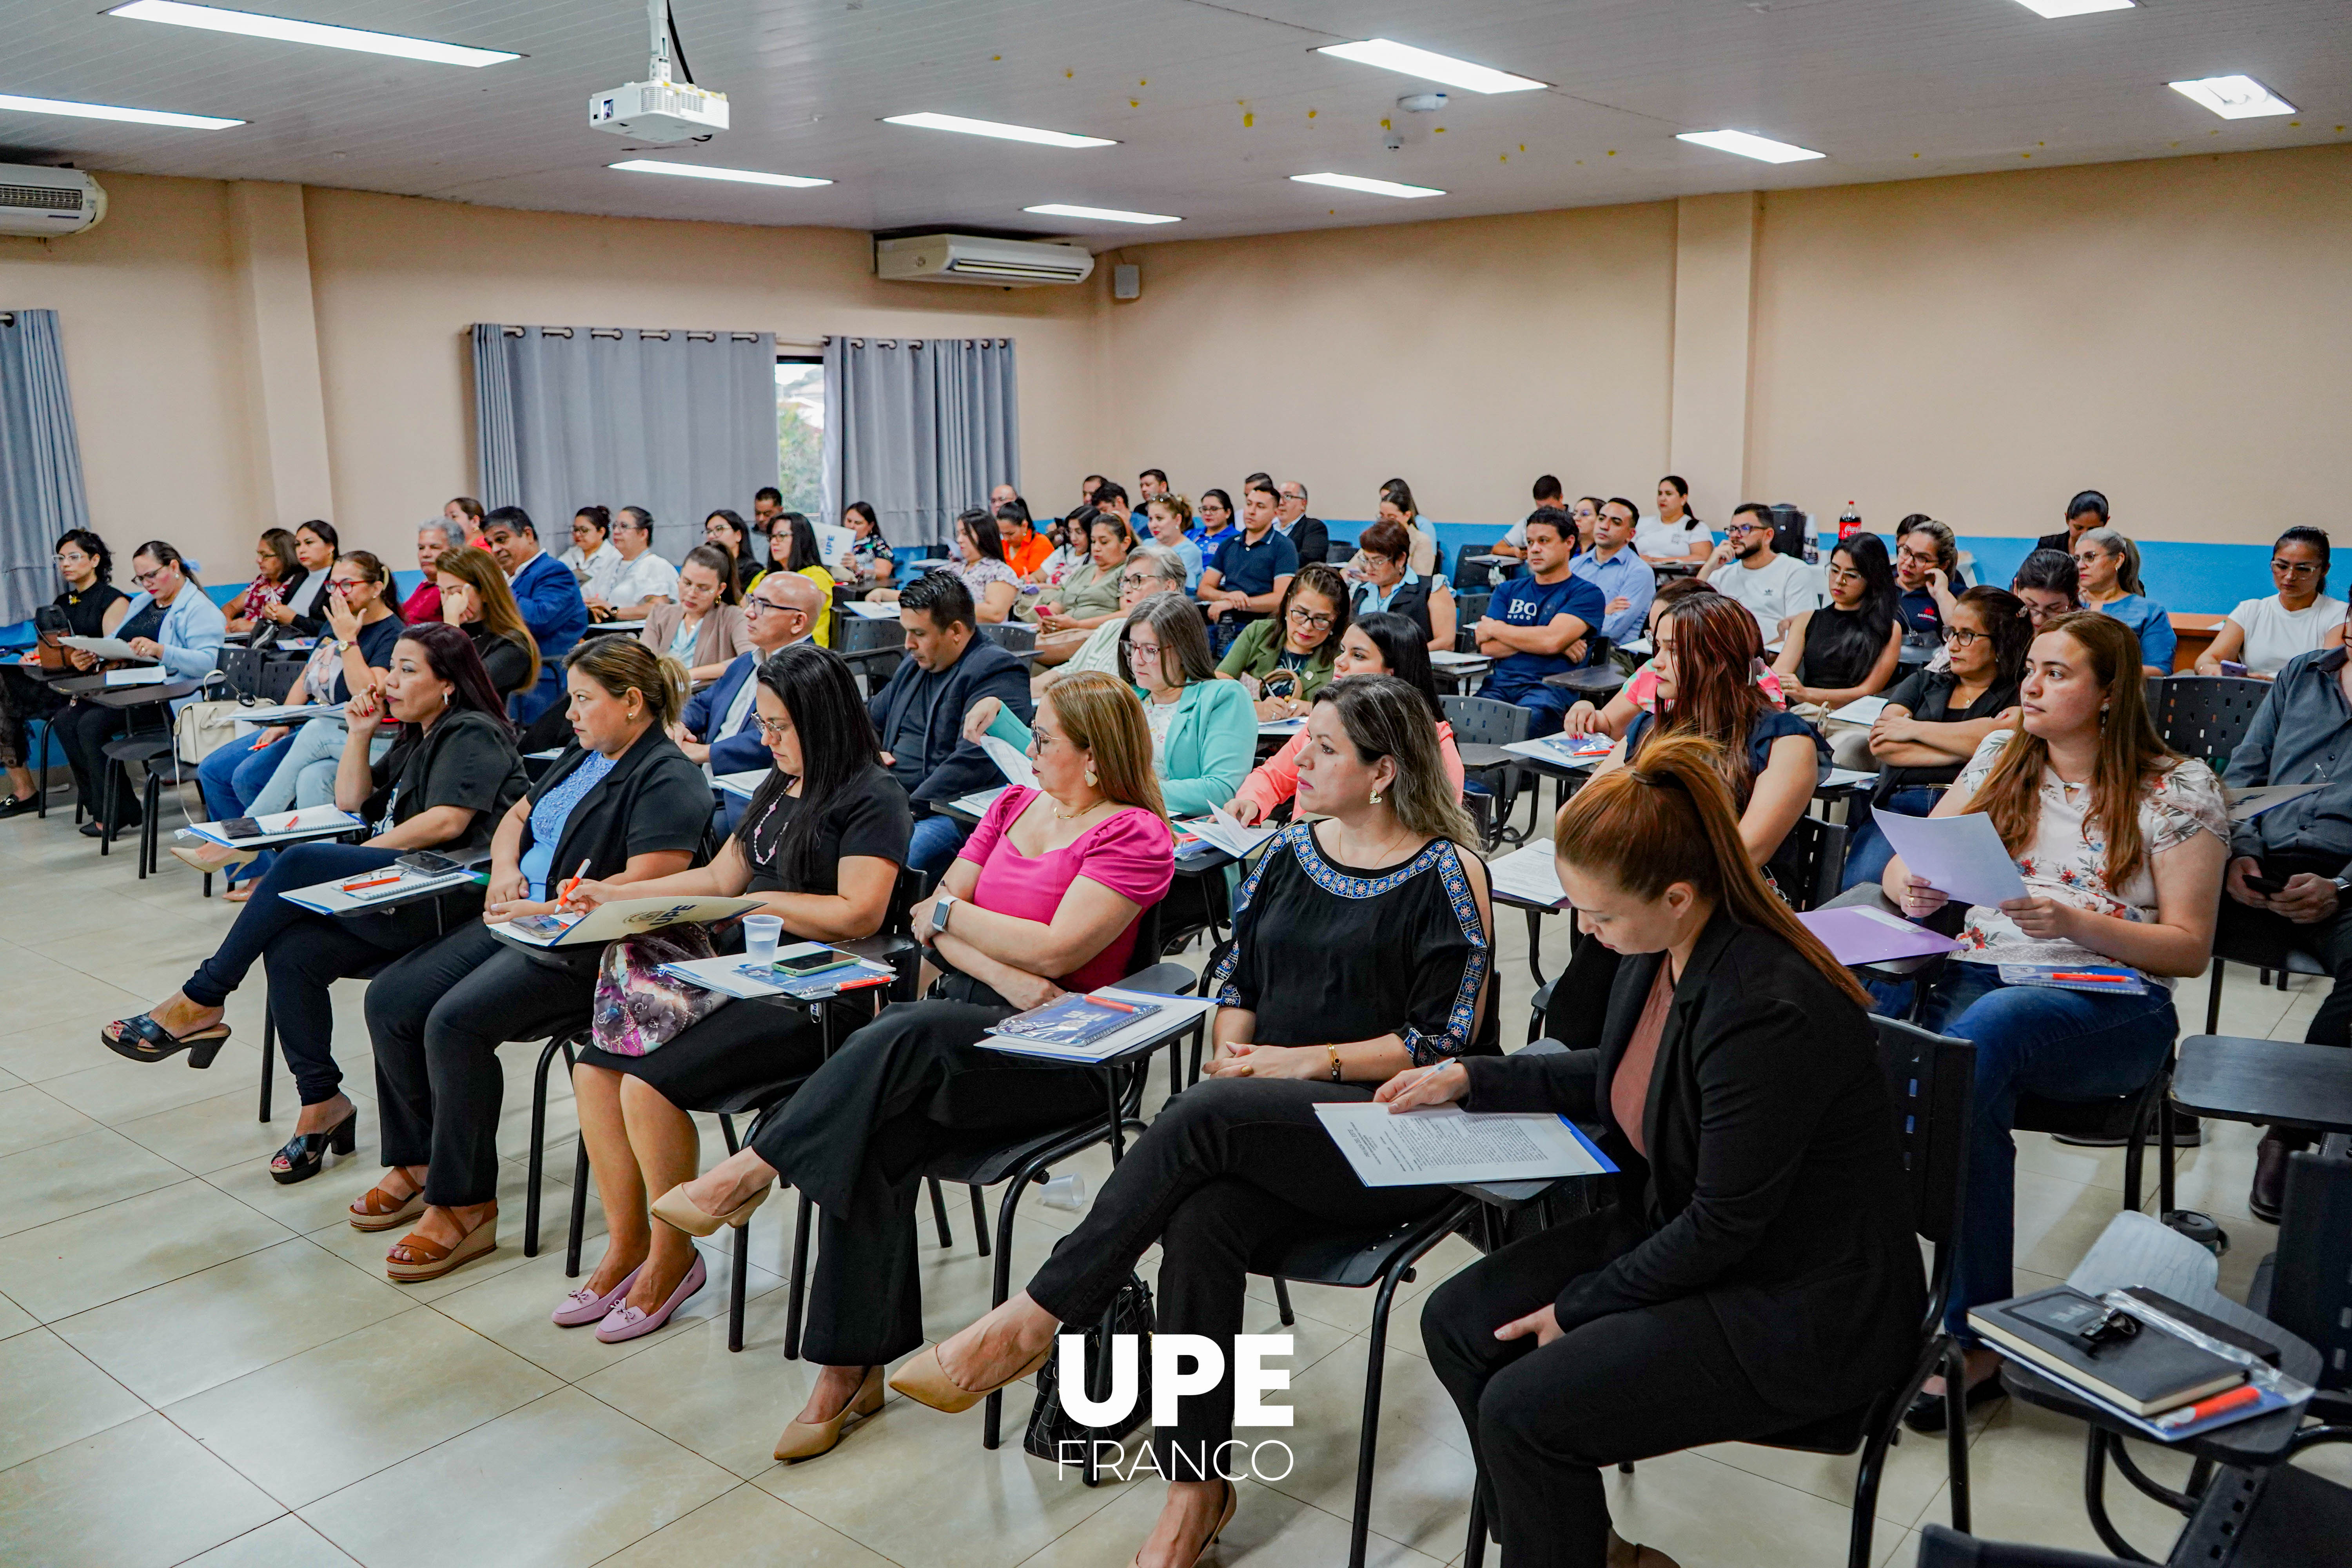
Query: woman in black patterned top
[{"x": 1360, "y": 950}]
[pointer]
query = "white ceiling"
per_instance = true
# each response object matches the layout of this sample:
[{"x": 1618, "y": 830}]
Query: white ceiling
[{"x": 1213, "y": 105}]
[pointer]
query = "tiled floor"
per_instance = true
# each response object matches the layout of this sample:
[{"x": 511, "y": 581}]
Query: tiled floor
[{"x": 198, "y": 1365}]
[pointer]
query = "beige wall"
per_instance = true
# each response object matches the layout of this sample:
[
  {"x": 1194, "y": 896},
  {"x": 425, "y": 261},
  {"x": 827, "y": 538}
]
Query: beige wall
[{"x": 2175, "y": 332}]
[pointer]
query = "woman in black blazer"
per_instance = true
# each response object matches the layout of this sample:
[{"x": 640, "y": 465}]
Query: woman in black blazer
[
  {"x": 622, "y": 806},
  {"x": 1758, "y": 1269}
]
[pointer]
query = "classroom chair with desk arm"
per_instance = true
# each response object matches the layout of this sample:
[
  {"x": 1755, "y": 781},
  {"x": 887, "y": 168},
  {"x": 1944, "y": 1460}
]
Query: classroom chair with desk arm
[{"x": 1930, "y": 1082}]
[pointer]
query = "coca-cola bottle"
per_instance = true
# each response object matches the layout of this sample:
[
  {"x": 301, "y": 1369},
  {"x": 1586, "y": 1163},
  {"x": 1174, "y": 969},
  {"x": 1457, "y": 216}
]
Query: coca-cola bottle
[{"x": 1849, "y": 522}]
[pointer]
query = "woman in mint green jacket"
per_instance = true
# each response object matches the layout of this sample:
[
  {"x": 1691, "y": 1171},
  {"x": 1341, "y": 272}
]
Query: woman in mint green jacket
[{"x": 1203, "y": 730}]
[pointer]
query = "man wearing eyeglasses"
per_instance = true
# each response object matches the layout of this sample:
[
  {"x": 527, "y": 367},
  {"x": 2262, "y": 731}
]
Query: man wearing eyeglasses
[
  {"x": 720, "y": 723},
  {"x": 1773, "y": 587},
  {"x": 1307, "y": 535}
]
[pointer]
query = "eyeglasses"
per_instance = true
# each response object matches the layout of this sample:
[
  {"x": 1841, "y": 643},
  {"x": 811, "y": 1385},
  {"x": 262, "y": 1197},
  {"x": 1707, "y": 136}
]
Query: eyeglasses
[
  {"x": 1134, "y": 580},
  {"x": 1737, "y": 528},
  {"x": 1961, "y": 636},
  {"x": 2112, "y": 1327},
  {"x": 1913, "y": 558},
  {"x": 345, "y": 584},
  {"x": 1146, "y": 651},
  {"x": 1839, "y": 574},
  {"x": 775, "y": 729},
  {"x": 2292, "y": 569},
  {"x": 755, "y": 607},
  {"x": 145, "y": 578},
  {"x": 1312, "y": 620}
]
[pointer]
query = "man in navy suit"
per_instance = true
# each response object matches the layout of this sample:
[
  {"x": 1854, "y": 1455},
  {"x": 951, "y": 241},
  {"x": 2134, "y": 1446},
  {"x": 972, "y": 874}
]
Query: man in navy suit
[
  {"x": 549, "y": 600},
  {"x": 722, "y": 721}
]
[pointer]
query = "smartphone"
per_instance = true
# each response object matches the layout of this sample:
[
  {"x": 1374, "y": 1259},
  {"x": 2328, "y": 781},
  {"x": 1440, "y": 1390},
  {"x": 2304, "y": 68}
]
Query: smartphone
[
  {"x": 426, "y": 863},
  {"x": 2232, "y": 667},
  {"x": 238, "y": 827},
  {"x": 2266, "y": 885},
  {"x": 544, "y": 925},
  {"x": 811, "y": 962}
]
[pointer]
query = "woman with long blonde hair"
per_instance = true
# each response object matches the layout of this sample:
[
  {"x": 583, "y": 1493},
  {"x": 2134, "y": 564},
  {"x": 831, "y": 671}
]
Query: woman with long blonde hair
[
  {"x": 2120, "y": 843},
  {"x": 1361, "y": 951},
  {"x": 1044, "y": 899}
]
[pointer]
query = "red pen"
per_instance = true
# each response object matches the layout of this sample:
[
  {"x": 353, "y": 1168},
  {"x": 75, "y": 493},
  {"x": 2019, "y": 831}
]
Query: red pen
[
  {"x": 1113, "y": 1003},
  {"x": 574, "y": 882},
  {"x": 2093, "y": 979},
  {"x": 862, "y": 985},
  {"x": 2237, "y": 1398}
]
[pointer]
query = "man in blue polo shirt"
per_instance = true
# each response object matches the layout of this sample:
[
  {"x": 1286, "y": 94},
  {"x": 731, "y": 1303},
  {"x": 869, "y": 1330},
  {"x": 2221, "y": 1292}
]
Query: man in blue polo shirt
[
  {"x": 1249, "y": 574},
  {"x": 1540, "y": 625}
]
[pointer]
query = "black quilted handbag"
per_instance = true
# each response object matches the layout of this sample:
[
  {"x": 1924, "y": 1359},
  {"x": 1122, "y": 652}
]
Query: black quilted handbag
[{"x": 1050, "y": 1426}]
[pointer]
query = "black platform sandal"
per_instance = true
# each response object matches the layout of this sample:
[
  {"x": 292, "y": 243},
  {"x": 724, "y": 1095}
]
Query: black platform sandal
[
  {"x": 142, "y": 1040},
  {"x": 306, "y": 1152}
]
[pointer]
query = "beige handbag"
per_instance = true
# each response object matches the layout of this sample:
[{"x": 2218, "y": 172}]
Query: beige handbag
[{"x": 202, "y": 728}]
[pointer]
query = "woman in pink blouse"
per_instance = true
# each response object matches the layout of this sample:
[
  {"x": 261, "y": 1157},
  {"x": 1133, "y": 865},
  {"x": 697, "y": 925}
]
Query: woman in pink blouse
[{"x": 1043, "y": 899}]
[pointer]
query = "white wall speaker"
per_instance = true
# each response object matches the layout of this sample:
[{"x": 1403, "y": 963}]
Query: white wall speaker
[{"x": 1127, "y": 281}]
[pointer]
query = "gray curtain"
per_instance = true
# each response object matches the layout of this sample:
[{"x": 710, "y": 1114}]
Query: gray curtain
[
  {"x": 919, "y": 428},
  {"x": 40, "y": 460},
  {"x": 680, "y": 422}
]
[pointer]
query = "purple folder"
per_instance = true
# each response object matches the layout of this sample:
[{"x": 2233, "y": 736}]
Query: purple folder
[{"x": 1856, "y": 935}]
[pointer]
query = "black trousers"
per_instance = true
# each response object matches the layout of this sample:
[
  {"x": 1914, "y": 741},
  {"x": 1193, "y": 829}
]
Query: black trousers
[
  {"x": 1544, "y": 1423},
  {"x": 1232, "y": 1172},
  {"x": 84, "y": 728},
  {"x": 22, "y": 700},
  {"x": 899, "y": 1091},
  {"x": 437, "y": 1018},
  {"x": 307, "y": 953}
]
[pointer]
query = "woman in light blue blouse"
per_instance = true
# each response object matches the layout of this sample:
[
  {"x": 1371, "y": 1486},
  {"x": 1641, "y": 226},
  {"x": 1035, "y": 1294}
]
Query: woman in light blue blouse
[{"x": 2108, "y": 565}]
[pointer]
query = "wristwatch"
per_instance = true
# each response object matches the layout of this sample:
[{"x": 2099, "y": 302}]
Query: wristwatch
[
  {"x": 939, "y": 913},
  {"x": 2343, "y": 889}
]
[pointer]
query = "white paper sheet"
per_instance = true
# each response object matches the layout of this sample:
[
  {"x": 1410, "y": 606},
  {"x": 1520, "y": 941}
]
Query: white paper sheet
[
  {"x": 329, "y": 897},
  {"x": 1531, "y": 873},
  {"x": 1221, "y": 829},
  {"x": 1861, "y": 711},
  {"x": 1960, "y": 857},
  {"x": 1446, "y": 1144},
  {"x": 105, "y": 647},
  {"x": 1176, "y": 1015},
  {"x": 977, "y": 801},
  {"x": 1845, "y": 778},
  {"x": 2245, "y": 805},
  {"x": 1010, "y": 763},
  {"x": 1454, "y": 659},
  {"x": 138, "y": 675},
  {"x": 725, "y": 974},
  {"x": 888, "y": 610},
  {"x": 741, "y": 785}
]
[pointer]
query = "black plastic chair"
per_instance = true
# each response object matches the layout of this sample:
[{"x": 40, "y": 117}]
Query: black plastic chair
[
  {"x": 1482, "y": 727},
  {"x": 1943, "y": 1547},
  {"x": 2304, "y": 1287},
  {"x": 1821, "y": 862},
  {"x": 1013, "y": 636},
  {"x": 1931, "y": 1080},
  {"x": 2205, "y": 716},
  {"x": 157, "y": 758},
  {"x": 870, "y": 648},
  {"x": 1469, "y": 609}
]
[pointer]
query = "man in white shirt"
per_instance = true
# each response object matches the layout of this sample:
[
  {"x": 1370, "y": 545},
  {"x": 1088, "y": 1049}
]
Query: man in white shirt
[
  {"x": 1774, "y": 587},
  {"x": 642, "y": 579}
]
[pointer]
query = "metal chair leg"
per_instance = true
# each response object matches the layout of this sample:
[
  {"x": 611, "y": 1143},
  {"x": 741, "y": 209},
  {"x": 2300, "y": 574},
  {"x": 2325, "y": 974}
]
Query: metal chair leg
[
  {"x": 939, "y": 1214},
  {"x": 538, "y": 1145},
  {"x": 1001, "y": 1282},
  {"x": 1474, "y": 1550},
  {"x": 1956, "y": 1431},
  {"x": 1282, "y": 1300},
  {"x": 1369, "y": 1426},
  {"x": 268, "y": 1055},
  {"x": 743, "y": 1254},
  {"x": 579, "y": 1210},
  {"x": 799, "y": 1287},
  {"x": 980, "y": 1220}
]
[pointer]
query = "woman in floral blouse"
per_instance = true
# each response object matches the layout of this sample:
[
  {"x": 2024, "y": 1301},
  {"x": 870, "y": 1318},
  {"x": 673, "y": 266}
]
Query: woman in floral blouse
[{"x": 2120, "y": 843}]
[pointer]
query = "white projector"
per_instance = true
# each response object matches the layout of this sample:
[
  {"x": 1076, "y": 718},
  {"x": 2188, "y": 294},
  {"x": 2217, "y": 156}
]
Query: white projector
[{"x": 658, "y": 111}]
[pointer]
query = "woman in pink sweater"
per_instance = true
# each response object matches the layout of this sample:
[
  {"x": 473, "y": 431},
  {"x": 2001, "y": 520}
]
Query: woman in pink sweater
[{"x": 1381, "y": 644}]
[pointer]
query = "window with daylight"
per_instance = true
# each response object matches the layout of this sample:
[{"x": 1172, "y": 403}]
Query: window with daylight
[{"x": 800, "y": 435}]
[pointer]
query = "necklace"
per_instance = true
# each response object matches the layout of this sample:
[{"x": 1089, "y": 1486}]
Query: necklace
[{"x": 1061, "y": 816}]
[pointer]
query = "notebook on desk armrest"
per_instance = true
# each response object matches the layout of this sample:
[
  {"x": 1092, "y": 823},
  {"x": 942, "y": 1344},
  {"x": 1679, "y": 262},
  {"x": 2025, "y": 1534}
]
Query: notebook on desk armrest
[{"x": 2146, "y": 1372}]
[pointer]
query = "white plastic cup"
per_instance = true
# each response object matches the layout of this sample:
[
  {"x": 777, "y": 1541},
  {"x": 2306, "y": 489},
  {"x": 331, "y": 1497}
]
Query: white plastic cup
[
  {"x": 1065, "y": 1192},
  {"x": 760, "y": 934}
]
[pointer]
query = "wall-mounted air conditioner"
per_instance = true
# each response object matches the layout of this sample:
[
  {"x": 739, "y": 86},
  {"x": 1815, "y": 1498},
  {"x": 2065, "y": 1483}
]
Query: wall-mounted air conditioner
[
  {"x": 971, "y": 258},
  {"x": 48, "y": 201}
]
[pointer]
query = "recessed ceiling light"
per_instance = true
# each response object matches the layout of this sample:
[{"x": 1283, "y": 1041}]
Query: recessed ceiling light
[
  {"x": 2055, "y": 9},
  {"x": 699, "y": 172},
  {"x": 929, "y": 121},
  {"x": 1105, "y": 214},
  {"x": 1749, "y": 146},
  {"x": 2233, "y": 96},
  {"x": 1389, "y": 54},
  {"x": 253, "y": 25},
  {"x": 111, "y": 111},
  {"x": 1370, "y": 187}
]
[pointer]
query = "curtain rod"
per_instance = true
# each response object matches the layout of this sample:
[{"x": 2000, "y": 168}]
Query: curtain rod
[{"x": 661, "y": 334}]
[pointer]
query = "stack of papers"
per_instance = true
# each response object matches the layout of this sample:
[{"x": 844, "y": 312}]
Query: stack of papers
[
  {"x": 311, "y": 821},
  {"x": 1220, "y": 831},
  {"x": 1859, "y": 934},
  {"x": 867, "y": 609},
  {"x": 621, "y": 917},
  {"x": 1531, "y": 875},
  {"x": 329, "y": 897},
  {"x": 1441, "y": 1144},
  {"x": 1451, "y": 658},
  {"x": 1565, "y": 751},
  {"x": 286, "y": 713},
  {"x": 138, "y": 675},
  {"x": 2245, "y": 805},
  {"x": 1960, "y": 857},
  {"x": 1845, "y": 778},
  {"x": 1282, "y": 727},
  {"x": 1861, "y": 711},
  {"x": 1171, "y": 1016},
  {"x": 733, "y": 975},
  {"x": 977, "y": 802}
]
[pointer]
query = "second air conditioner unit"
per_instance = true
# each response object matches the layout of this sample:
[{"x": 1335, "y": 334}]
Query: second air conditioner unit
[
  {"x": 35, "y": 200},
  {"x": 973, "y": 258}
]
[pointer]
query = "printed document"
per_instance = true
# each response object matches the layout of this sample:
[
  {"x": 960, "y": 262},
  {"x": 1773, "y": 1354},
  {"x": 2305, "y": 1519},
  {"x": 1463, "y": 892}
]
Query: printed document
[
  {"x": 1444, "y": 1143},
  {"x": 1960, "y": 857}
]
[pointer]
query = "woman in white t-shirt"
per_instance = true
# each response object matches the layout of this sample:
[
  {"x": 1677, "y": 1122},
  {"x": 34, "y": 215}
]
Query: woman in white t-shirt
[
  {"x": 2263, "y": 634},
  {"x": 1675, "y": 534}
]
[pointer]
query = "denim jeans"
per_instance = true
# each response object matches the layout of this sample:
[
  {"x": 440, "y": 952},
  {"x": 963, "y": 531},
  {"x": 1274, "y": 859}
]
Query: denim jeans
[
  {"x": 1867, "y": 851},
  {"x": 233, "y": 776},
  {"x": 2031, "y": 1039},
  {"x": 935, "y": 842},
  {"x": 305, "y": 775}
]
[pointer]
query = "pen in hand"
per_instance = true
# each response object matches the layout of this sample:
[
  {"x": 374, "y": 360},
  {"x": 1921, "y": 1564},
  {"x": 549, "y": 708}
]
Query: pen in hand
[{"x": 569, "y": 887}]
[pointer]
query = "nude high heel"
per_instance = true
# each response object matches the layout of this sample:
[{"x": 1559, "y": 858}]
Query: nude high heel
[
  {"x": 925, "y": 1379},
  {"x": 807, "y": 1439}
]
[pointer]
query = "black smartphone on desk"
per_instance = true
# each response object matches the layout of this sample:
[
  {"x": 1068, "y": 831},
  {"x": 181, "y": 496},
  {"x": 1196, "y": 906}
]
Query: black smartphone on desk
[
  {"x": 425, "y": 863},
  {"x": 238, "y": 827}
]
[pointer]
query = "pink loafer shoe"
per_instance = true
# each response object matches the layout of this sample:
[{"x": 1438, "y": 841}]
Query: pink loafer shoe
[
  {"x": 629, "y": 1322},
  {"x": 583, "y": 1306}
]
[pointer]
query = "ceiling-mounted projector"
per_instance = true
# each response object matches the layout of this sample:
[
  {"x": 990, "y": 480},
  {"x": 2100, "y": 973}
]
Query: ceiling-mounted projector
[
  {"x": 660, "y": 110},
  {"x": 35, "y": 200}
]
